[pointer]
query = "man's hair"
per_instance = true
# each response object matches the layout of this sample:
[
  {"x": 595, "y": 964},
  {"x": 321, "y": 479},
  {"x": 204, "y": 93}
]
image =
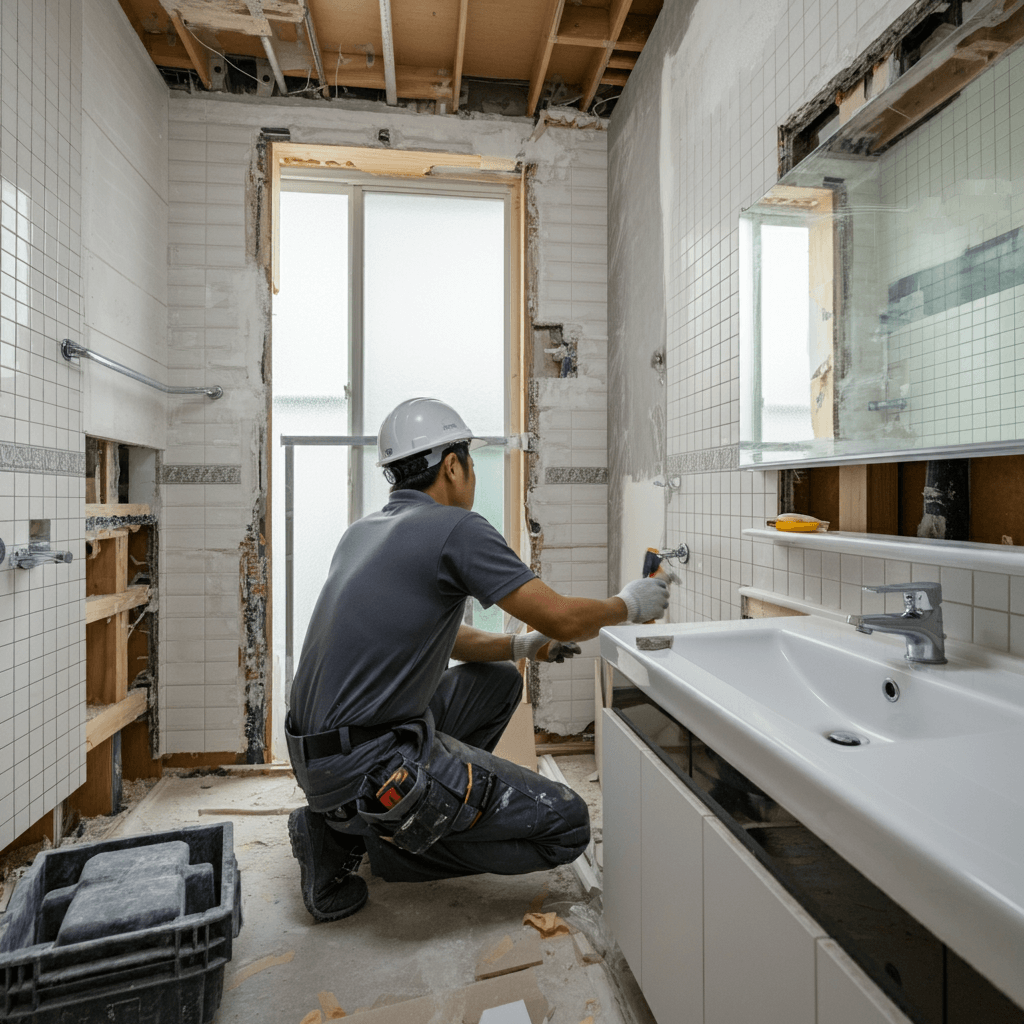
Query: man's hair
[{"x": 413, "y": 474}]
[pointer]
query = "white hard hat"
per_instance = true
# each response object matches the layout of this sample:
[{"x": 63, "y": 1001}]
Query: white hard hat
[{"x": 422, "y": 426}]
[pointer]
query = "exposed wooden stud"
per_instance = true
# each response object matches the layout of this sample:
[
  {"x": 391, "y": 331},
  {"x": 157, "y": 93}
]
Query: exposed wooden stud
[
  {"x": 869, "y": 498},
  {"x": 460, "y": 52},
  {"x": 108, "y": 571},
  {"x": 105, "y": 720},
  {"x": 625, "y": 61},
  {"x": 619, "y": 78},
  {"x": 106, "y": 660},
  {"x": 102, "y": 606},
  {"x": 540, "y": 64},
  {"x": 616, "y": 19},
  {"x": 95, "y": 796},
  {"x": 387, "y": 35},
  {"x": 199, "y": 57}
]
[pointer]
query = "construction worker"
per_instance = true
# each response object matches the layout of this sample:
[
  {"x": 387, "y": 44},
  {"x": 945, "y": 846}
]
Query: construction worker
[{"x": 391, "y": 746}]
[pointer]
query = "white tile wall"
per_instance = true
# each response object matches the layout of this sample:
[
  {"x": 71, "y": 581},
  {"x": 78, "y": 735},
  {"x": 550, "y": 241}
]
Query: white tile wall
[
  {"x": 217, "y": 305},
  {"x": 42, "y": 630},
  {"x": 721, "y": 107},
  {"x": 124, "y": 228},
  {"x": 961, "y": 177}
]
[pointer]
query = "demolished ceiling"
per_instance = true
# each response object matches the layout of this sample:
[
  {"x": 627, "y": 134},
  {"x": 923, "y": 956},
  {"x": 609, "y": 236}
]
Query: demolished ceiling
[{"x": 441, "y": 55}]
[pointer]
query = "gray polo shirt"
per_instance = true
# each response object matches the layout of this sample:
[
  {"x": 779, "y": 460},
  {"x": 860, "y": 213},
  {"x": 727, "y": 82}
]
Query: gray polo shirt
[{"x": 383, "y": 628}]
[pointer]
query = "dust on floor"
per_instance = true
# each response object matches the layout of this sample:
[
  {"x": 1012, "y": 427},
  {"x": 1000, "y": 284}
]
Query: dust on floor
[{"x": 410, "y": 940}]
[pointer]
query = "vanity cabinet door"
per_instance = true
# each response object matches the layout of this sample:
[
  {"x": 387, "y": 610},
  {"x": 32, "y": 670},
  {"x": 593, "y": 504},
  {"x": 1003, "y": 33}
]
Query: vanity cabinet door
[
  {"x": 759, "y": 944},
  {"x": 621, "y": 755},
  {"x": 672, "y": 901},
  {"x": 846, "y": 995}
]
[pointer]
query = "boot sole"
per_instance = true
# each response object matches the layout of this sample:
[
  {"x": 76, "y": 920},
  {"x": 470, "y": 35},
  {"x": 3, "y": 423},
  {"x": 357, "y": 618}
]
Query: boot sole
[{"x": 298, "y": 833}]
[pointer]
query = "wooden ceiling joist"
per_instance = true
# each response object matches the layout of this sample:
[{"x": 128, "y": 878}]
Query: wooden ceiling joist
[
  {"x": 460, "y": 53},
  {"x": 616, "y": 19},
  {"x": 198, "y": 57},
  {"x": 548, "y": 38}
]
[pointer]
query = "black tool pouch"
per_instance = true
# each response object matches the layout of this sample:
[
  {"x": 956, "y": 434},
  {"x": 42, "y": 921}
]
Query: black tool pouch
[{"x": 426, "y": 814}]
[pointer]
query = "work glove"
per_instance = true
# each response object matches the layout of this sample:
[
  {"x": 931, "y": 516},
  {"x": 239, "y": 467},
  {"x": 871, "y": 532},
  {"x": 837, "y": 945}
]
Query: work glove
[
  {"x": 526, "y": 645},
  {"x": 645, "y": 599}
]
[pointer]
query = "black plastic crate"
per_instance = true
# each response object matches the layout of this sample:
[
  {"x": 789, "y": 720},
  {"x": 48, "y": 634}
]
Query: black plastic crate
[{"x": 159, "y": 972}]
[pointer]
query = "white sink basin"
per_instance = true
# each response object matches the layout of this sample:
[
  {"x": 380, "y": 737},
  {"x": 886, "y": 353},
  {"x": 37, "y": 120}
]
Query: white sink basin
[
  {"x": 930, "y": 808},
  {"x": 816, "y": 681}
]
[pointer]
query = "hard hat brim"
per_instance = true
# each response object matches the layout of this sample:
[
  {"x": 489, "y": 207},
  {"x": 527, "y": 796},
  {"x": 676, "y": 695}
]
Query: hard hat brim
[{"x": 474, "y": 443}]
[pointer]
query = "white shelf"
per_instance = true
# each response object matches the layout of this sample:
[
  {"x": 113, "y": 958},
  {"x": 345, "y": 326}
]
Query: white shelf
[{"x": 955, "y": 553}]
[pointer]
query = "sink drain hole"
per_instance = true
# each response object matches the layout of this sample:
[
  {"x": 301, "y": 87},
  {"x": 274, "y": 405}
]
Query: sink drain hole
[{"x": 846, "y": 739}]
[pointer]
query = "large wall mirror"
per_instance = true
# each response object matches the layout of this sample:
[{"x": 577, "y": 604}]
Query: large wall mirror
[{"x": 882, "y": 279}]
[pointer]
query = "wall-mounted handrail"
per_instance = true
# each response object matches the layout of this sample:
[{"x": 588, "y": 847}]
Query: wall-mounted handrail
[{"x": 70, "y": 350}]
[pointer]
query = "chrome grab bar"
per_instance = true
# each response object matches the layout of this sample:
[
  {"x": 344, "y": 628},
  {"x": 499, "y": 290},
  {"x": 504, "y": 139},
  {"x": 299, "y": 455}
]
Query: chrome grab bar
[{"x": 70, "y": 350}]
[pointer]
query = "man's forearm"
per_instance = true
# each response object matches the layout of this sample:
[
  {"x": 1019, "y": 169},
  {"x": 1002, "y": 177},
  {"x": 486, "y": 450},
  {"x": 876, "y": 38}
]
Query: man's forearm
[
  {"x": 562, "y": 617},
  {"x": 479, "y": 645}
]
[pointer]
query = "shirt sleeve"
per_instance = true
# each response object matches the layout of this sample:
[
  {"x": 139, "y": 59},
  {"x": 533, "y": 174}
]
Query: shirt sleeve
[{"x": 477, "y": 562}]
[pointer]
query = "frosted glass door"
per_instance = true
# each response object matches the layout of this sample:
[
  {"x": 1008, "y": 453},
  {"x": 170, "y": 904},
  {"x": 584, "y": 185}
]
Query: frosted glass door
[
  {"x": 310, "y": 373},
  {"x": 434, "y": 325}
]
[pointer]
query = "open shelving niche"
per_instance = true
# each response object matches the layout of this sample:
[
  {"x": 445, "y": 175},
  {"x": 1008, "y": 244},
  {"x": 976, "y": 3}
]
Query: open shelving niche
[{"x": 120, "y": 617}]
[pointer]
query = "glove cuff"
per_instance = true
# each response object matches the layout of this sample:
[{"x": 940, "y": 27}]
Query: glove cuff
[
  {"x": 526, "y": 645},
  {"x": 631, "y": 603}
]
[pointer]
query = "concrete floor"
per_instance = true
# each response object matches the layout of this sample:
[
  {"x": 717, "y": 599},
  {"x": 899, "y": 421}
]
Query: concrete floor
[{"x": 410, "y": 940}]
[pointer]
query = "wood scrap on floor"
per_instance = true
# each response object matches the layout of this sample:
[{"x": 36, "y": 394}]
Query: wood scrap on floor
[
  {"x": 330, "y": 1006},
  {"x": 465, "y": 1005},
  {"x": 508, "y": 956},
  {"x": 584, "y": 950},
  {"x": 226, "y": 812},
  {"x": 549, "y": 925},
  {"x": 256, "y": 966},
  {"x": 313, "y": 1017}
]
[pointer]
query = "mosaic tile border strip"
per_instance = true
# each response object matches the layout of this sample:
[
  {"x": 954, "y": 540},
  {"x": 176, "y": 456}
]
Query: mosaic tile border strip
[
  {"x": 710, "y": 460},
  {"x": 576, "y": 475},
  {"x": 201, "y": 475},
  {"x": 25, "y": 458}
]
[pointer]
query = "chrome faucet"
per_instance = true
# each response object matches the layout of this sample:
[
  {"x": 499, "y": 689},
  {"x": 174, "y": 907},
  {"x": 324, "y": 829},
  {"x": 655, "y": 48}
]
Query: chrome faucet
[{"x": 920, "y": 622}]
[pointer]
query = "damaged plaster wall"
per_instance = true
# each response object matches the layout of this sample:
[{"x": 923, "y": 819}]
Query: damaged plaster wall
[
  {"x": 637, "y": 324},
  {"x": 214, "y": 476}
]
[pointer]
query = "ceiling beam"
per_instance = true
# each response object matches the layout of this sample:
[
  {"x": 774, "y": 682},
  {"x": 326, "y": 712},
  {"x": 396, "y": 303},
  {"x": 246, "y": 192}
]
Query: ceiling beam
[
  {"x": 387, "y": 36},
  {"x": 616, "y": 19},
  {"x": 460, "y": 52},
  {"x": 199, "y": 58},
  {"x": 543, "y": 58}
]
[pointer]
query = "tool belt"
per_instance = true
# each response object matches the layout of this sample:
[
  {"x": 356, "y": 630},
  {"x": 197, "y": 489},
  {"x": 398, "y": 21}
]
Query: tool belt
[
  {"x": 429, "y": 810},
  {"x": 337, "y": 741}
]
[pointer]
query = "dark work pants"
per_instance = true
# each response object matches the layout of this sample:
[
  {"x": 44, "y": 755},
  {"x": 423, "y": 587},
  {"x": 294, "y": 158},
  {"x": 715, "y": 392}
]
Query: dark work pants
[{"x": 528, "y": 823}]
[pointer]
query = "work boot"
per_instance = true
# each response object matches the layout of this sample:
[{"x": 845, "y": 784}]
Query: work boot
[{"x": 327, "y": 862}]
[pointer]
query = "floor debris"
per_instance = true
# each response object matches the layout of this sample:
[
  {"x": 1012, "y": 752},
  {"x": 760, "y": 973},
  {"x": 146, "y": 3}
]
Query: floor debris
[
  {"x": 549, "y": 925},
  {"x": 330, "y": 1006},
  {"x": 508, "y": 957},
  {"x": 256, "y": 966}
]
